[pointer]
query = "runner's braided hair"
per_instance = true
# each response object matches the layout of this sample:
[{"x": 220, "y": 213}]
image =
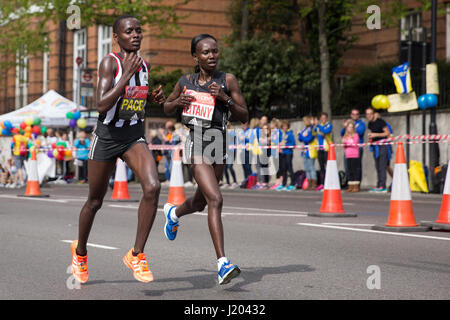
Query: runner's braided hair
[{"x": 195, "y": 40}]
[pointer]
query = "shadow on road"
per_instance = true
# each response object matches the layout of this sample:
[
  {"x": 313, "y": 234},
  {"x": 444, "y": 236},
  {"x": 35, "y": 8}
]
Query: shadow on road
[{"x": 208, "y": 280}]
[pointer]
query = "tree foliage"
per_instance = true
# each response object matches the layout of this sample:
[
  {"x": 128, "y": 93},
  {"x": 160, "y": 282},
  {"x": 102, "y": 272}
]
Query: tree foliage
[
  {"x": 24, "y": 23},
  {"x": 269, "y": 71}
]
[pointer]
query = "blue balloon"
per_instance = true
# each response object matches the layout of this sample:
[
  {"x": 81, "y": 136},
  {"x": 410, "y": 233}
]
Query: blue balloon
[
  {"x": 77, "y": 115},
  {"x": 432, "y": 100},
  {"x": 8, "y": 125},
  {"x": 422, "y": 102},
  {"x": 6, "y": 132}
]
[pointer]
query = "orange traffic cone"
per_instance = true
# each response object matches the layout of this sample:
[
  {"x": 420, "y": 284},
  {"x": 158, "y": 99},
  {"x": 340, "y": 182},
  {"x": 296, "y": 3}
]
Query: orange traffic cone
[
  {"x": 176, "y": 188},
  {"x": 443, "y": 220},
  {"x": 120, "y": 189},
  {"x": 33, "y": 189},
  {"x": 332, "y": 201},
  {"x": 401, "y": 215}
]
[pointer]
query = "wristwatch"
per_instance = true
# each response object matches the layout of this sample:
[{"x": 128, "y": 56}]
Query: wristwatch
[{"x": 230, "y": 102}]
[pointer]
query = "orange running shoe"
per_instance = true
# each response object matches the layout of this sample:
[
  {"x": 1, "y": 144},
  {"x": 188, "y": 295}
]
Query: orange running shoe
[
  {"x": 138, "y": 264},
  {"x": 79, "y": 264}
]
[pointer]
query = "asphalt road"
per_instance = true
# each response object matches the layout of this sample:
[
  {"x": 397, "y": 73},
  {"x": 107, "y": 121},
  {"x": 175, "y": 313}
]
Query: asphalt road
[{"x": 283, "y": 253}]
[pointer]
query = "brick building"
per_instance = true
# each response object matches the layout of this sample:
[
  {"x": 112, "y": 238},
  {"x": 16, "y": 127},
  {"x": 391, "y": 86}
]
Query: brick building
[{"x": 57, "y": 69}]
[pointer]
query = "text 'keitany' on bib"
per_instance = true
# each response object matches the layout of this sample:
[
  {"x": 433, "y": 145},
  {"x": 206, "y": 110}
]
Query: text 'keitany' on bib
[
  {"x": 201, "y": 109},
  {"x": 133, "y": 103}
]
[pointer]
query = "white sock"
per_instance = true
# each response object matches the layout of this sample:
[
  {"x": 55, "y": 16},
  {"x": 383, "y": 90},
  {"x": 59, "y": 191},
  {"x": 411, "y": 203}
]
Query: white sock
[
  {"x": 173, "y": 216},
  {"x": 221, "y": 261}
]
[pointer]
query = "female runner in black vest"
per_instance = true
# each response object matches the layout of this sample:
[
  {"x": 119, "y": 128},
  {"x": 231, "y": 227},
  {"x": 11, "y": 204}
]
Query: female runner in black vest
[
  {"x": 121, "y": 98},
  {"x": 207, "y": 169}
]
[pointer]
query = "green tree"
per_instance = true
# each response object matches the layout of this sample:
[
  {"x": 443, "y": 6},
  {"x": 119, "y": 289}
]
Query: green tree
[
  {"x": 23, "y": 23},
  {"x": 270, "y": 72}
]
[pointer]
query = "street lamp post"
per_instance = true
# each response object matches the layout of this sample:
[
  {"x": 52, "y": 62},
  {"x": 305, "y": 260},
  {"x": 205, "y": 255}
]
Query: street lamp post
[{"x": 434, "y": 147}]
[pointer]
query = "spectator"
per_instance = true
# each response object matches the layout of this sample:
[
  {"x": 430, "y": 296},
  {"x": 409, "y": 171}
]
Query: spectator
[
  {"x": 82, "y": 145},
  {"x": 323, "y": 129},
  {"x": 309, "y": 155},
  {"x": 263, "y": 157},
  {"x": 12, "y": 169},
  {"x": 276, "y": 135},
  {"x": 389, "y": 147},
  {"x": 287, "y": 142},
  {"x": 360, "y": 128},
  {"x": 170, "y": 128},
  {"x": 244, "y": 139},
  {"x": 350, "y": 141},
  {"x": 379, "y": 131},
  {"x": 6, "y": 178},
  {"x": 230, "y": 159},
  {"x": 19, "y": 147},
  {"x": 155, "y": 140}
]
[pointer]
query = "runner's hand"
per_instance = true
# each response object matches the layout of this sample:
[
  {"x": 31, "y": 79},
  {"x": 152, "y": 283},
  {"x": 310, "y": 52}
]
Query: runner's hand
[
  {"x": 157, "y": 95},
  {"x": 131, "y": 64},
  {"x": 217, "y": 92},
  {"x": 184, "y": 100}
]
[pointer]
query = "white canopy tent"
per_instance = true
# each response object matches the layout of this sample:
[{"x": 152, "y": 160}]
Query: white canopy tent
[{"x": 51, "y": 108}]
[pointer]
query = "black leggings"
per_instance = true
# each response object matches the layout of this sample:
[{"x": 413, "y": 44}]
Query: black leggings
[{"x": 286, "y": 166}]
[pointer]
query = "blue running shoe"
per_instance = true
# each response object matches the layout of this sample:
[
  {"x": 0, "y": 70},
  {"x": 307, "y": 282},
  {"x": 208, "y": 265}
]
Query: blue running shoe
[
  {"x": 290, "y": 188},
  {"x": 171, "y": 227},
  {"x": 279, "y": 188},
  {"x": 227, "y": 272}
]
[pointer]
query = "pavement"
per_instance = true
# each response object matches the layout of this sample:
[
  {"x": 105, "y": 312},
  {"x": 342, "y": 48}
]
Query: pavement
[{"x": 284, "y": 254}]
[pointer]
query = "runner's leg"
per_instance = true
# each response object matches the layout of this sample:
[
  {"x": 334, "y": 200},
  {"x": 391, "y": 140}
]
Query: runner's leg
[
  {"x": 140, "y": 159},
  {"x": 99, "y": 173}
]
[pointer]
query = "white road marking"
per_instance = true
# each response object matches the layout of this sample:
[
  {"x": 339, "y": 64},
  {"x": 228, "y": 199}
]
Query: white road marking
[
  {"x": 348, "y": 224},
  {"x": 374, "y": 231},
  {"x": 287, "y": 213},
  {"x": 268, "y": 210},
  {"x": 35, "y": 199},
  {"x": 94, "y": 245}
]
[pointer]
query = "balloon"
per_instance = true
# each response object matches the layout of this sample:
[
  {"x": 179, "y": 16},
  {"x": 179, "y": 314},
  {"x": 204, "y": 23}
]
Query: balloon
[
  {"x": 73, "y": 123},
  {"x": 15, "y": 130},
  {"x": 422, "y": 102},
  {"x": 29, "y": 121},
  {"x": 6, "y": 132},
  {"x": 27, "y": 134},
  {"x": 69, "y": 115},
  {"x": 8, "y": 125},
  {"x": 54, "y": 145},
  {"x": 77, "y": 115},
  {"x": 28, "y": 129},
  {"x": 61, "y": 144},
  {"x": 36, "y": 130},
  {"x": 81, "y": 123},
  {"x": 68, "y": 153},
  {"x": 60, "y": 157},
  {"x": 380, "y": 102},
  {"x": 431, "y": 99},
  {"x": 37, "y": 121},
  {"x": 55, "y": 153},
  {"x": 2, "y": 126},
  {"x": 38, "y": 143},
  {"x": 43, "y": 130},
  {"x": 60, "y": 149},
  {"x": 50, "y": 154},
  {"x": 23, "y": 125},
  {"x": 21, "y": 131}
]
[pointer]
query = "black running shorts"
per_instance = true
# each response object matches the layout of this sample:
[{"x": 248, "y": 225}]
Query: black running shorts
[
  {"x": 208, "y": 145},
  {"x": 109, "y": 150}
]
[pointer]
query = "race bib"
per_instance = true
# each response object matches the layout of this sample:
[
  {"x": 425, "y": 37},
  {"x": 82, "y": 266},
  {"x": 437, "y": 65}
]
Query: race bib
[
  {"x": 201, "y": 109},
  {"x": 133, "y": 103}
]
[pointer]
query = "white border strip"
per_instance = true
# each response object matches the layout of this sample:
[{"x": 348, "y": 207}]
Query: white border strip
[{"x": 374, "y": 231}]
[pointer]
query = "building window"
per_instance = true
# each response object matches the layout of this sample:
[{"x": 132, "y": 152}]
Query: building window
[
  {"x": 79, "y": 50},
  {"x": 411, "y": 21},
  {"x": 21, "y": 78},
  {"x": 104, "y": 42}
]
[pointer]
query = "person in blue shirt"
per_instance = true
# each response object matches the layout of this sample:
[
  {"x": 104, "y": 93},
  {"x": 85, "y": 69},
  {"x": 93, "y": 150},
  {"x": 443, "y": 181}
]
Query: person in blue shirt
[
  {"x": 82, "y": 145},
  {"x": 360, "y": 128},
  {"x": 286, "y": 155},
  {"x": 244, "y": 138},
  {"x": 323, "y": 130},
  {"x": 306, "y": 136}
]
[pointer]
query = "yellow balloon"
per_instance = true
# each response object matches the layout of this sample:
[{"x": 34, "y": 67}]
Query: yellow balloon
[
  {"x": 380, "y": 102},
  {"x": 29, "y": 121},
  {"x": 81, "y": 123},
  {"x": 55, "y": 153}
]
